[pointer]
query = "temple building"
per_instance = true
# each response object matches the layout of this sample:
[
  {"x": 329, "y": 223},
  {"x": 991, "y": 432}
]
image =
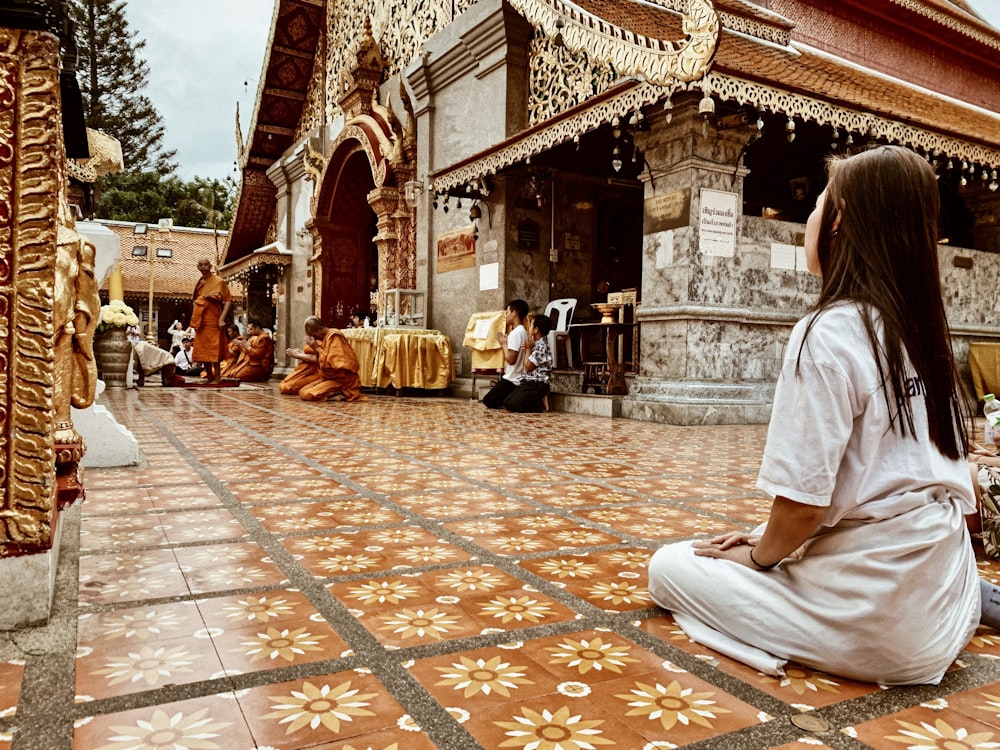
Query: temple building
[{"x": 657, "y": 159}]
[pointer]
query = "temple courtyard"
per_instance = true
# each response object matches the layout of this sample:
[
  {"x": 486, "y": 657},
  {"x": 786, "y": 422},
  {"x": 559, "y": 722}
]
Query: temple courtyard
[{"x": 416, "y": 573}]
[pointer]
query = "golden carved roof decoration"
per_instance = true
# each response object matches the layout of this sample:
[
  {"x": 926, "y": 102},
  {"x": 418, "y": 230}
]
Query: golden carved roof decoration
[
  {"x": 660, "y": 61},
  {"x": 359, "y": 82},
  {"x": 105, "y": 158},
  {"x": 273, "y": 254},
  {"x": 954, "y": 17}
]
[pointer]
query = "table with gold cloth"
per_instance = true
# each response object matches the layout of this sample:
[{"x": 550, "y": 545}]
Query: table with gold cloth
[
  {"x": 984, "y": 364},
  {"x": 402, "y": 357}
]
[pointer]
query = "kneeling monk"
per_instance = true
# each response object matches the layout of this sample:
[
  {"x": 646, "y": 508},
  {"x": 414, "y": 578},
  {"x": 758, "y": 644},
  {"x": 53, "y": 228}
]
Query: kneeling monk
[
  {"x": 306, "y": 371},
  {"x": 258, "y": 355},
  {"x": 338, "y": 365}
]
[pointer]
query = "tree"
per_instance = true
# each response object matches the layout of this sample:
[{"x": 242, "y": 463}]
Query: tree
[
  {"x": 147, "y": 197},
  {"x": 112, "y": 76}
]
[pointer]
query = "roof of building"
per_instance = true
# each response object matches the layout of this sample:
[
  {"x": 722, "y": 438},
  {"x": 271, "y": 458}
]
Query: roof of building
[
  {"x": 291, "y": 52},
  {"x": 174, "y": 277},
  {"x": 759, "y": 46}
]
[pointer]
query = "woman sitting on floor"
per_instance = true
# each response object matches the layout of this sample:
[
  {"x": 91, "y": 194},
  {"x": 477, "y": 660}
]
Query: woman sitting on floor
[{"x": 864, "y": 568}]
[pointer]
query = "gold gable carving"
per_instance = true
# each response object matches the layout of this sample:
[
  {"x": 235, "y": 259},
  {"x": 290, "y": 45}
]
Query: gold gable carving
[{"x": 660, "y": 61}]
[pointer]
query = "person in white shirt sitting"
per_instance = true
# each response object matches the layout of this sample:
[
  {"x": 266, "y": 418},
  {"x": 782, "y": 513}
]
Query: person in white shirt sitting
[{"x": 182, "y": 360}]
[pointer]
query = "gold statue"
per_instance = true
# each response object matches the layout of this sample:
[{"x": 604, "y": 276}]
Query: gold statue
[{"x": 75, "y": 314}]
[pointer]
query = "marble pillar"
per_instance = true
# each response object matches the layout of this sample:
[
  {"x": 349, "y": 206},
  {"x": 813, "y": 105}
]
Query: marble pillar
[{"x": 714, "y": 311}]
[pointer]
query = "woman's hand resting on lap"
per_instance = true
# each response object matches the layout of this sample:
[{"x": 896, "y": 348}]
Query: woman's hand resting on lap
[{"x": 734, "y": 545}]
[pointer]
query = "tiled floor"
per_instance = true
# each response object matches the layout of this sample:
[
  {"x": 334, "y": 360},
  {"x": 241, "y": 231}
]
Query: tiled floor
[{"x": 419, "y": 573}]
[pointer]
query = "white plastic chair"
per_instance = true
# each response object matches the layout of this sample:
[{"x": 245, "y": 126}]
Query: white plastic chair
[{"x": 560, "y": 330}]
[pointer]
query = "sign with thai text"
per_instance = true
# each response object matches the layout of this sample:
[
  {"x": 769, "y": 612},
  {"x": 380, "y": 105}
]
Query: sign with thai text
[{"x": 717, "y": 223}]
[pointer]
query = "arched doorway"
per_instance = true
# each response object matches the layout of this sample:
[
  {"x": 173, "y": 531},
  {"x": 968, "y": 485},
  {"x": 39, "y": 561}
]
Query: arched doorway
[{"x": 347, "y": 227}]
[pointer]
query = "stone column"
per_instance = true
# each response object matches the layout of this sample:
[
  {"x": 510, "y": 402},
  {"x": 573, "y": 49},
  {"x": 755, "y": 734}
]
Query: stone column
[{"x": 707, "y": 348}]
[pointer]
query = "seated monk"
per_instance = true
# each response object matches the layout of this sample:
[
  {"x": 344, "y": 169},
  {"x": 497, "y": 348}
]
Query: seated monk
[
  {"x": 305, "y": 372},
  {"x": 257, "y": 359},
  {"x": 234, "y": 351},
  {"x": 338, "y": 365}
]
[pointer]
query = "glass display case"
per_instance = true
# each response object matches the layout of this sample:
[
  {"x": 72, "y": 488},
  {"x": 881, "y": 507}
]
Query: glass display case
[{"x": 404, "y": 308}]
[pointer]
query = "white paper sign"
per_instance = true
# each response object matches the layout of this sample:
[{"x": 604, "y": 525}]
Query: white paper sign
[
  {"x": 801, "y": 263},
  {"x": 782, "y": 256},
  {"x": 717, "y": 223},
  {"x": 482, "y": 329},
  {"x": 489, "y": 276}
]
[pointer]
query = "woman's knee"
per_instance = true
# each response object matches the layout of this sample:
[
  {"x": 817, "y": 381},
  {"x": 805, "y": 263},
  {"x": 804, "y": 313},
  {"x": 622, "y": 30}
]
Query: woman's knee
[{"x": 666, "y": 568}]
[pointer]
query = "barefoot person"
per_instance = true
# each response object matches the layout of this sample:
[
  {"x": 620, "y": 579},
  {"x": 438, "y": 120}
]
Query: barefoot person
[
  {"x": 864, "y": 568},
  {"x": 211, "y": 303}
]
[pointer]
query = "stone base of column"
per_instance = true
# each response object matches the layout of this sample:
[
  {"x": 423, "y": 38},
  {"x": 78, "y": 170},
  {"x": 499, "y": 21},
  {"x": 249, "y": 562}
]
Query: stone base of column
[
  {"x": 698, "y": 403},
  {"x": 27, "y": 585}
]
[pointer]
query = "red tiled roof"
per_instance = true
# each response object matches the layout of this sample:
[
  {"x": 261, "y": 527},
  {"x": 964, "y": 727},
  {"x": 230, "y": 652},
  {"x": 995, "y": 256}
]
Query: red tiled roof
[
  {"x": 817, "y": 75},
  {"x": 173, "y": 277}
]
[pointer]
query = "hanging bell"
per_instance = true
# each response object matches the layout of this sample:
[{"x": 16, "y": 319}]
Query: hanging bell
[
  {"x": 790, "y": 130},
  {"x": 668, "y": 107},
  {"x": 706, "y": 107}
]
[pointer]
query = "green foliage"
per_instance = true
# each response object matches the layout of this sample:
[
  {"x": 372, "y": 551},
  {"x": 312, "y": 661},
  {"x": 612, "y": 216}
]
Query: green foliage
[
  {"x": 148, "y": 197},
  {"x": 113, "y": 76}
]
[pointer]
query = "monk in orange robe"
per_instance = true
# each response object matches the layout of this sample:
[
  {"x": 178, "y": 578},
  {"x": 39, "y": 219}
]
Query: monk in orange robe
[
  {"x": 211, "y": 303},
  {"x": 234, "y": 351},
  {"x": 305, "y": 372},
  {"x": 338, "y": 365},
  {"x": 257, "y": 362}
]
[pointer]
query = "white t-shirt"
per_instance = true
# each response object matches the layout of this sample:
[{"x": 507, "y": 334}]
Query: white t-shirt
[
  {"x": 183, "y": 359},
  {"x": 830, "y": 443},
  {"x": 514, "y": 372}
]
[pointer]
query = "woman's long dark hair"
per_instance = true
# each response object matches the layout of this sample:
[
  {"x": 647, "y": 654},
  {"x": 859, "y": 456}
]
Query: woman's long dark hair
[{"x": 883, "y": 255}]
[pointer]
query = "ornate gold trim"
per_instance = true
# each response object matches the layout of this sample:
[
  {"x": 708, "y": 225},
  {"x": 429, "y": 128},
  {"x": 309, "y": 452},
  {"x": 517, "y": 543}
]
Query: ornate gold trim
[
  {"x": 537, "y": 140},
  {"x": 659, "y": 61},
  {"x": 731, "y": 88},
  {"x": 29, "y": 175},
  {"x": 922, "y": 8}
]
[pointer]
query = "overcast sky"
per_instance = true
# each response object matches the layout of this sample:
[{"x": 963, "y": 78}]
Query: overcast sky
[{"x": 200, "y": 52}]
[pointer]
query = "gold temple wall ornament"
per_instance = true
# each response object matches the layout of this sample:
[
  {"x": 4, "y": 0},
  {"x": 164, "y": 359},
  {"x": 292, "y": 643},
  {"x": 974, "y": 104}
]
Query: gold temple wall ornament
[
  {"x": 30, "y": 156},
  {"x": 662, "y": 62}
]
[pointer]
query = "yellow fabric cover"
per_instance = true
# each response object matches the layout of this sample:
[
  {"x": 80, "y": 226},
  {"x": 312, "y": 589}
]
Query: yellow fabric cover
[
  {"x": 402, "y": 357},
  {"x": 486, "y": 352},
  {"x": 984, "y": 362},
  {"x": 409, "y": 361}
]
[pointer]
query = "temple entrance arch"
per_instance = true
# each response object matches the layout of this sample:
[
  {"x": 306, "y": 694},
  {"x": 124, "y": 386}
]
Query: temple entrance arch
[
  {"x": 346, "y": 265},
  {"x": 363, "y": 235}
]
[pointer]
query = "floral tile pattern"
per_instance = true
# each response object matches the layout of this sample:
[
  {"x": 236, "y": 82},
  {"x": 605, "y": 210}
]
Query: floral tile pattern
[
  {"x": 521, "y": 535},
  {"x": 343, "y": 553},
  {"x": 327, "y": 569},
  {"x": 212, "y": 723},
  {"x": 444, "y": 605},
  {"x": 333, "y": 707},
  {"x": 583, "y": 687}
]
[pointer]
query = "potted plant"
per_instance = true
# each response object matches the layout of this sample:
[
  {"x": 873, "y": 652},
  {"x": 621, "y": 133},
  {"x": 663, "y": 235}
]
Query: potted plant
[{"x": 111, "y": 344}]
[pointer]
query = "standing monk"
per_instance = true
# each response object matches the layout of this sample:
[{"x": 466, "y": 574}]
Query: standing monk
[
  {"x": 338, "y": 365},
  {"x": 212, "y": 301}
]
